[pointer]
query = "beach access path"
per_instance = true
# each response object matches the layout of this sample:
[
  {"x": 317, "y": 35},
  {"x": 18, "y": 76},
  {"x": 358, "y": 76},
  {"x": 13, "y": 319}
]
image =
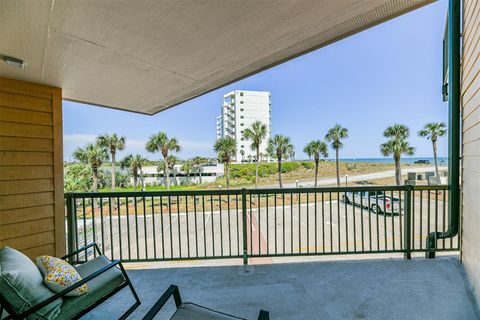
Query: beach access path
[{"x": 353, "y": 178}]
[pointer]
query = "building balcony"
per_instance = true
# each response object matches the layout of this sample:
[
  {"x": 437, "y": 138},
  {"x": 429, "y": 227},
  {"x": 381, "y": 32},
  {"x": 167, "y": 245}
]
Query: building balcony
[
  {"x": 298, "y": 253},
  {"x": 258, "y": 232},
  {"x": 357, "y": 289}
]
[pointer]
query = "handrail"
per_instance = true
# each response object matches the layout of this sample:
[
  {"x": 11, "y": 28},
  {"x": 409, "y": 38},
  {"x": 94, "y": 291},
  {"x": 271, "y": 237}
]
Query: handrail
[
  {"x": 247, "y": 223},
  {"x": 252, "y": 191}
]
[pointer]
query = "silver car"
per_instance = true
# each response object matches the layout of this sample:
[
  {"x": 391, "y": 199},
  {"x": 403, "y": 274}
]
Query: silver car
[{"x": 376, "y": 201}]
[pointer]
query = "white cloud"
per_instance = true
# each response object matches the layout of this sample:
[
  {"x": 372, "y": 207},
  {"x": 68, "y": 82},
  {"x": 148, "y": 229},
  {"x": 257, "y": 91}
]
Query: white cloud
[
  {"x": 78, "y": 138},
  {"x": 192, "y": 145},
  {"x": 73, "y": 141}
]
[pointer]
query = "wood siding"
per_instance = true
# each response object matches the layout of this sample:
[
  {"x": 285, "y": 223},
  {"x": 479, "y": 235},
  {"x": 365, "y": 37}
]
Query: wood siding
[
  {"x": 31, "y": 168},
  {"x": 471, "y": 141}
]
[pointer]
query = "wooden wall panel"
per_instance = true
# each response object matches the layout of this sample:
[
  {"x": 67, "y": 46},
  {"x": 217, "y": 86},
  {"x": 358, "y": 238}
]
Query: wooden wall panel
[
  {"x": 24, "y": 214},
  {"x": 471, "y": 143},
  {"x": 26, "y": 144},
  {"x": 26, "y": 186},
  {"x": 31, "y": 168},
  {"x": 11, "y": 129},
  {"x": 25, "y": 116},
  {"x": 25, "y": 172},
  {"x": 24, "y": 101},
  {"x": 11, "y": 158},
  {"x": 39, "y": 250},
  {"x": 26, "y": 228},
  {"x": 27, "y": 200},
  {"x": 41, "y": 239}
]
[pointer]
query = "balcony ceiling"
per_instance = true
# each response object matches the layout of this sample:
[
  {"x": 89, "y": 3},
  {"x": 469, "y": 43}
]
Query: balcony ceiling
[{"x": 147, "y": 56}]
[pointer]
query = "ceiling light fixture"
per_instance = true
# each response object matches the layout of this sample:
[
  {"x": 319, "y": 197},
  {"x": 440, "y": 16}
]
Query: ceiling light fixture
[{"x": 14, "y": 62}]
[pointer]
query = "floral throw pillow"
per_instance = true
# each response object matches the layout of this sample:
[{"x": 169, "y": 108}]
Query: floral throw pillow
[{"x": 59, "y": 275}]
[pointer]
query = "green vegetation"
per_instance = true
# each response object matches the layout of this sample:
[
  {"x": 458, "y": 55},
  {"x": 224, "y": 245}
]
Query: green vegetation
[
  {"x": 316, "y": 149},
  {"x": 112, "y": 143},
  {"x": 91, "y": 168},
  {"x": 257, "y": 133},
  {"x": 396, "y": 146},
  {"x": 226, "y": 148},
  {"x": 279, "y": 147},
  {"x": 187, "y": 168},
  {"x": 432, "y": 131},
  {"x": 79, "y": 177},
  {"x": 160, "y": 142},
  {"x": 247, "y": 171},
  {"x": 134, "y": 163},
  {"x": 335, "y": 136},
  {"x": 197, "y": 163},
  {"x": 158, "y": 188},
  {"x": 92, "y": 155}
]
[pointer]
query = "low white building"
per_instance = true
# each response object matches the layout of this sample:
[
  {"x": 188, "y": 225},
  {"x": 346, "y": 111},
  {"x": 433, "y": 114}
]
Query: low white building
[{"x": 206, "y": 174}]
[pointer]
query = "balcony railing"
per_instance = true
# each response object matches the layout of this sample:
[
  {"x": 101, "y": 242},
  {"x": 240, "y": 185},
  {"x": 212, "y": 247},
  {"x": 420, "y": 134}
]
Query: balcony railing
[{"x": 246, "y": 223}]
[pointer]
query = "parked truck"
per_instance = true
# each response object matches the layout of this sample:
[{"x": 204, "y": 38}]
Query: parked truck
[{"x": 377, "y": 201}]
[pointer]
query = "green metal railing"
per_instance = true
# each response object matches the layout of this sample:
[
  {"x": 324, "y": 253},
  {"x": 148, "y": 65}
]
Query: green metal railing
[{"x": 251, "y": 223}]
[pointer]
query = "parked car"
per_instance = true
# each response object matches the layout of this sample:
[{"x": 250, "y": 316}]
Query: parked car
[
  {"x": 422, "y": 162},
  {"x": 376, "y": 201}
]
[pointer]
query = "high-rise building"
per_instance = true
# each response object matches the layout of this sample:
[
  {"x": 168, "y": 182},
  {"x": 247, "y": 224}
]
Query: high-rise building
[{"x": 239, "y": 110}]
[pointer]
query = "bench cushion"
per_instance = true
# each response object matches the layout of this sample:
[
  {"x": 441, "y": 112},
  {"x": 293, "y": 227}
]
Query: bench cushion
[
  {"x": 98, "y": 287},
  {"x": 21, "y": 285},
  {"x": 59, "y": 275},
  {"x": 189, "y": 311}
]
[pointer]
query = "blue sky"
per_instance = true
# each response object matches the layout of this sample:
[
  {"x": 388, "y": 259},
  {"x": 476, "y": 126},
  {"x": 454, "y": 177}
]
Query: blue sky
[{"x": 387, "y": 74}]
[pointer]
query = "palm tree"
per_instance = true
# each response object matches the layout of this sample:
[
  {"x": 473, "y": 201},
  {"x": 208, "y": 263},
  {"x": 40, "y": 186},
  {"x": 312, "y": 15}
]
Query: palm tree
[
  {"x": 171, "y": 162},
  {"x": 396, "y": 147},
  {"x": 197, "y": 163},
  {"x": 257, "y": 133},
  {"x": 335, "y": 136},
  {"x": 94, "y": 156},
  {"x": 279, "y": 147},
  {"x": 316, "y": 149},
  {"x": 226, "y": 148},
  {"x": 135, "y": 164},
  {"x": 432, "y": 131},
  {"x": 112, "y": 143},
  {"x": 397, "y": 131},
  {"x": 161, "y": 142},
  {"x": 161, "y": 169},
  {"x": 187, "y": 168}
]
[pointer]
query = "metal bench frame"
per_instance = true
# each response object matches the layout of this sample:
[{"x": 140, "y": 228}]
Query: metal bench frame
[
  {"x": 175, "y": 292},
  {"x": 12, "y": 314}
]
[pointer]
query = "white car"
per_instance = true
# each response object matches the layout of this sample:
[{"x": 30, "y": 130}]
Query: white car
[{"x": 376, "y": 201}]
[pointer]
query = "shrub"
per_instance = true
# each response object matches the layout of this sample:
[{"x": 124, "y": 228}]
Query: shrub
[
  {"x": 290, "y": 166},
  {"x": 247, "y": 170},
  {"x": 351, "y": 166},
  {"x": 308, "y": 164}
]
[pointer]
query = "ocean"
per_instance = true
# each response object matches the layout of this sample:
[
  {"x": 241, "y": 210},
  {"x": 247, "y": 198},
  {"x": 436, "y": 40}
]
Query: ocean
[{"x": 442, "y": 161}]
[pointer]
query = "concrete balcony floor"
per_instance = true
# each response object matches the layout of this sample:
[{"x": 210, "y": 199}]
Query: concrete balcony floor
[{"x": 357, "y": 289}]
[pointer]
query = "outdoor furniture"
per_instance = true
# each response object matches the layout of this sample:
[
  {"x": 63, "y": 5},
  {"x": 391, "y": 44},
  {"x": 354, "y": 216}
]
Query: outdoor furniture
[
  {"x": 104, "y": 279},
  {"x": 188, "y": 310}
]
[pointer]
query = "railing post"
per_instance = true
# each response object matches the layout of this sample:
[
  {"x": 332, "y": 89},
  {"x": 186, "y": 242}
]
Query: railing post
[
  {"x": 71, "y": 225},
  {"x": 244, "y": 223},
  {"x": 407, "y": 233}
]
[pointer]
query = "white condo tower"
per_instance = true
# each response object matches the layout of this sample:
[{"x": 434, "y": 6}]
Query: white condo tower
[{"x": 239, "y": 110}]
